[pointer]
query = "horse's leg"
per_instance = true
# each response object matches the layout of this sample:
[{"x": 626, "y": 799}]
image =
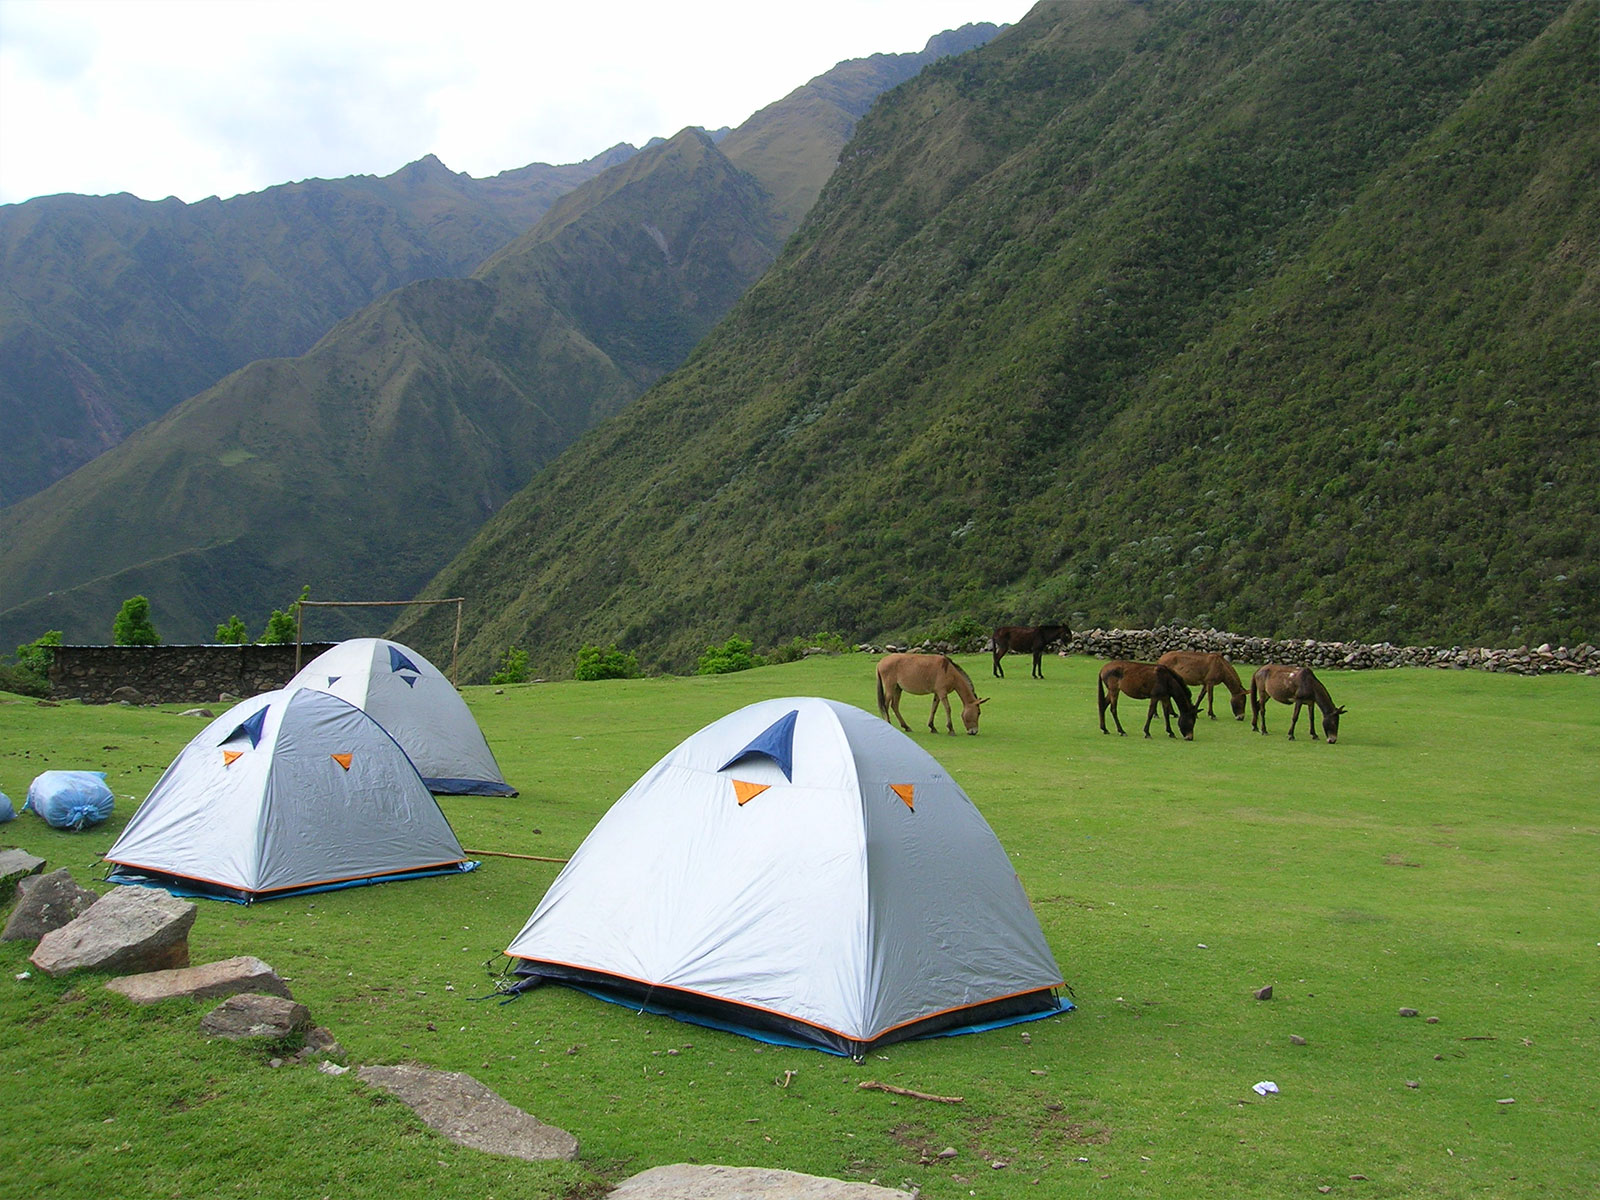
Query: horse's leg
[
  {"x": 894, "y": 703},
  {"x": 1150, "y": 716},
  {"x": 1038, "y": 671},
  {"x": 998, "y": 655},
  {"x": 1206, "y": 691},
  {"x": 1258, "y": 709},
  {"x": 1113, "y": 702},
  {"x": 1293, "y": 717},
  {"x": 938, "y": 696}
]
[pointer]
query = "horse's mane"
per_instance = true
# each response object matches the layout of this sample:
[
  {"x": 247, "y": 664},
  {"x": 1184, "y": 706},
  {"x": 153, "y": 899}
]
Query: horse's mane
[{"x": 962, "y": 671}]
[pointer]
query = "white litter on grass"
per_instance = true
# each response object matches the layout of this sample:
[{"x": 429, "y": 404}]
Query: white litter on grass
[{"x": 1265, "y": 1088}]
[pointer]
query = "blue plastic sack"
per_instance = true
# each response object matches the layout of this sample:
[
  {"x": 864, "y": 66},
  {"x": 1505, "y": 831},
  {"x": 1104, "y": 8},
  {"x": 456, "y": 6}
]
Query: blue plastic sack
[
  {"x": 7, "y": 813},
  {"x": 70, "y": 799}
]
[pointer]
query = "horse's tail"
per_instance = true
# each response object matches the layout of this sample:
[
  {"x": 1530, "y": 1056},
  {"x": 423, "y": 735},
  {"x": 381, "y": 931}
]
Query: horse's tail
[
  {"x": 883, "y": 701},
  {"x": 1100, "y": 690}
]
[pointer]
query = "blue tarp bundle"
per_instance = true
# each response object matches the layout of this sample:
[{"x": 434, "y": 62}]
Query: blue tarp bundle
[{"x": 70, "y": 799}]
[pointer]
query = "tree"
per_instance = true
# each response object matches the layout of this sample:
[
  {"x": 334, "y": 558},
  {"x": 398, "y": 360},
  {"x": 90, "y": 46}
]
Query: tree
[
  {"x": 133, "y": 626},
  {"x": 232, "y": 633},
  {"x": 281, "y": 626},
  {"x": 38, "y": 655}
]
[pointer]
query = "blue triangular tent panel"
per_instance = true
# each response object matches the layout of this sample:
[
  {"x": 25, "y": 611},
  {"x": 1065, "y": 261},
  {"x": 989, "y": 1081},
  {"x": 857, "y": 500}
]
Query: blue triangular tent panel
[
  {"x": 250, "y": 726},
  {"x": 411, "y": 680},
  {"x": 399, "y": 662},
  {"x": 333, "y": 679},
  {"x": 776, "y": 742}
]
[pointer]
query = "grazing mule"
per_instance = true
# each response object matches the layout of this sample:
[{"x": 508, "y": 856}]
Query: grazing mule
[
  {"x": 1296, "y": 686},
  {"x": 1146, "y": 681},
  {"x": 1205, "y": 671},
  {"x": 920, "y": 674},
  {"x": 1026, "y": 639}
]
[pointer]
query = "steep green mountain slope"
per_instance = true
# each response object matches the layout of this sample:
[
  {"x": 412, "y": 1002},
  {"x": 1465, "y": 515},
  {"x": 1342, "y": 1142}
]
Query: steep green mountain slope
[
  {"x": 113, "y": 309},
  {"x": 364, "y": 466},
  {"x": 1280, "y": 317}
]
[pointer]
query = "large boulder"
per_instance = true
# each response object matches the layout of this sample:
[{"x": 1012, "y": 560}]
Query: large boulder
[
  {"x": 681, "y": 1181},
  {"x": 226, "y": 978},
  {"x": 469, "y": 1114},
  {"x": 249, "y": 1016},
  {"x": 130, "y": 928},
  {"x": 45, "y": 903}
]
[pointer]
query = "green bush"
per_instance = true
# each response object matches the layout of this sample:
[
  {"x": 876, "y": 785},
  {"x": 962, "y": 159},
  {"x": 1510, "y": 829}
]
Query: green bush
[
  {"x": 281, "y": 626},
  {"x": 795, "y": 648},
  {"x": 133, "y": 626},
  {"x": 38, "y": 656},
  {"x": 232, "y": 632},
  {"x": 732, "y": 655},
  {"x": 513, "y": 669},
  {"x": 610, "y": 663},
  {"x": 23, "y": 682}
]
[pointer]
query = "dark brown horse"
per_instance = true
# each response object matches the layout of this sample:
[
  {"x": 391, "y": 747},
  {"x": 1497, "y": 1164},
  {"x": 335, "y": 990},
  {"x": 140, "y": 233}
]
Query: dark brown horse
[
  {"x": 1205, "y": 671},
  {"x": 1296, "y": 686},
  {"x": 1147, "y": 681},
  {"x": 920, "y": 674},
  {"x": 1026, "y": 639}
]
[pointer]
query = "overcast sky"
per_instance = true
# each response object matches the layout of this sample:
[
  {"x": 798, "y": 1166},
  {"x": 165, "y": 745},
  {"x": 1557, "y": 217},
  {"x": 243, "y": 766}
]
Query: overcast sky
[{"x": 195, "y": 98}]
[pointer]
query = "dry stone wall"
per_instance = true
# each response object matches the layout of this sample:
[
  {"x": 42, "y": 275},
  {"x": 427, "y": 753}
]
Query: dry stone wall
[
  {"x": 173, "y": 674},
  {"x": 1147, "y": 645}
]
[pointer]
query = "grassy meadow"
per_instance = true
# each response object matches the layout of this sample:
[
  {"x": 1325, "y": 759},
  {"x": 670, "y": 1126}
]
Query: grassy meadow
[{"x": 1443, "y": 856}]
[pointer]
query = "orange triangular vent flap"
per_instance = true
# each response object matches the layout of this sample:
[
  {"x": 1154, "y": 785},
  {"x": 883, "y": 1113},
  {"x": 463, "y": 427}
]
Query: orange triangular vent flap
[
  {"x": 342, "y": 759},
  {"x": 748, "y": 791},
  {"x": 906, "y": 792},
  {"x": 229, "y": 755}
]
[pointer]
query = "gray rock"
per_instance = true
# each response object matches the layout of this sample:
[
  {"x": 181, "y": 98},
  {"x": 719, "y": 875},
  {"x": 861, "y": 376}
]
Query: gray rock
[
  {"x": 127, "y": 695},
  {"x": 226, "y": 978},
  {"x": 129, "y": 928},
  {"x": 469, "y": 1114},
  {"x": 320, "y": 1043},
  {"x": 15, "y": 865},
  {"x": 247, "y": 1016},
  {"x": 198, "y": 712},
  {"x": 681, "y": 1181},
  {"x": 46, "y": 903}
]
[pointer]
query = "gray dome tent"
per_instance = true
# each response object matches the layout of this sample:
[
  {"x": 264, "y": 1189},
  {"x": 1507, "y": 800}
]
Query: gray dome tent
[
  {"x": 287, "y": 792},
  {"x": 421, "y": 709},
  {"x": 802, "y": 872}
]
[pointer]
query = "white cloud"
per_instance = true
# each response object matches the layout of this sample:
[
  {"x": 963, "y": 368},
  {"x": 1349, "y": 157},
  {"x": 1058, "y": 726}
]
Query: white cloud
[{"x": 214, "y": 97}]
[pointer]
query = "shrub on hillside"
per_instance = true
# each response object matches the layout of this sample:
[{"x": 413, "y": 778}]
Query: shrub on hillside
[
  {"x": 733, "y": 655},
  {"x": 513, "y": 669},
  {"x": 610, "y": 663},
  {"x": 797, "y": 648}
]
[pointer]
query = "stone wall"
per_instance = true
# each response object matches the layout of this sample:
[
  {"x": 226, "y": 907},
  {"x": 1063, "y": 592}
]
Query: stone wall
[
  {"x": 1147, "y": 645},
  {"x": 173, "y": 674}
]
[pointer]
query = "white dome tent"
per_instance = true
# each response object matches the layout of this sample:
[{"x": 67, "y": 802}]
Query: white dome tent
[
  {"x": 418, "y": 705},
  {"x": 802, "y": 872},
  {"x": 285, "y": 793}
]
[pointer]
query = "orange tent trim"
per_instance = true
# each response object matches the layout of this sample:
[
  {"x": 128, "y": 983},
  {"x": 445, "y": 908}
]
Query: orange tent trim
[
  {"x": 342, "y": 759},
  {"x": 906, "y": 791},
  {"x": 229, "y": 755}
]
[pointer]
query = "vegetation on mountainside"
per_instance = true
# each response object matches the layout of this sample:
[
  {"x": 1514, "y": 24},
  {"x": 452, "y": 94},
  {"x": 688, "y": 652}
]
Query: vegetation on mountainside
[
  {"x": 1275, "y": 317},
  {"x": 115, "y": 308}
]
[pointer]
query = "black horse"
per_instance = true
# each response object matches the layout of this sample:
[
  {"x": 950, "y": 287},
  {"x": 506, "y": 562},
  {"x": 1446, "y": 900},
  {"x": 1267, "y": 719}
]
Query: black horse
[{"x": 1026, "y": 639}]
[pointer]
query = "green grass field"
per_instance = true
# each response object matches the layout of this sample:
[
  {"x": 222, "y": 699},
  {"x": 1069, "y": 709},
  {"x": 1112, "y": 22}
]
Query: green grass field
[{"x": 1444, "y": 856}]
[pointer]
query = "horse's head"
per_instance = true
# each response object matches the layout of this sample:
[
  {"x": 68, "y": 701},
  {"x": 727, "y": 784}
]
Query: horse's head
[
  {"x": 1330, "y": 725},
  {"x": 1186, "y": 716},
  {"x": 1238, "y": 705},
  {"x": 969, "y": 713}
]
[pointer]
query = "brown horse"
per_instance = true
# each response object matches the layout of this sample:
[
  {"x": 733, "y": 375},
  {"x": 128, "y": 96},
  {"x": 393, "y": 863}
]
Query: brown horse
[
  {"x": 1026, "y": 639},
  {"x": 1206, "y": 671},
  {"x": 920, "y": 674},
  {"x": 1296, "y": 686},
  {"x": 1147, "y": 681}
]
